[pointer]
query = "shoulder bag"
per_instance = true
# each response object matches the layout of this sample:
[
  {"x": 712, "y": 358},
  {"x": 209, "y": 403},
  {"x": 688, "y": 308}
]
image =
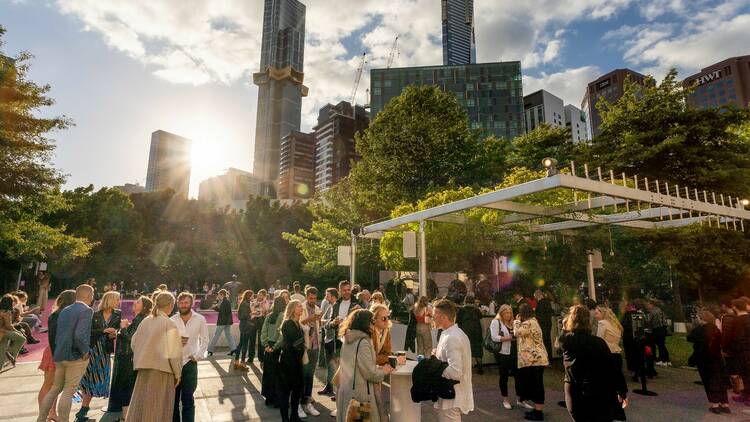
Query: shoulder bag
[
  {"x": 358, "y": 411},
  {"x": 489, "y": 344}
]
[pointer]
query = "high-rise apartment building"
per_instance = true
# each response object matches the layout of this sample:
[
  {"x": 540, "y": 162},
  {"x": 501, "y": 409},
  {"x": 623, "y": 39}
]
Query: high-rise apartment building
[
  {"x": 297, "y": 166},
  {"x": 130, "y": 188},
  {"x": 610, "y": 87},
  {"x": 724, "y": 83},
  {"x": 232, "y": 189},
  {"x": 575, "y": 119},
  {"x": 169, "y": 163},
  {"x": 490, "y": 93},
  {"x": 280, "y": 84},
  {"x": 334, "y": 142},
  {"x": 543, "y": 107},
  {"x": 459, "y": 44}
]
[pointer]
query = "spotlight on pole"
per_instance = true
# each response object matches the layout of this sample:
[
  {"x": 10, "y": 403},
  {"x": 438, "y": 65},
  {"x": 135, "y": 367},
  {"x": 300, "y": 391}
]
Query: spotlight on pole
[
  {"x": 745, "y": 202},
  {"x": 551, "y": 165}
]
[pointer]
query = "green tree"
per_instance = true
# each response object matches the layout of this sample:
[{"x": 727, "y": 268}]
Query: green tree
[
  {"x": 28, "y": 183},
  {"x": 420, "y": 142},
  {"x": 544, "y": 141}
]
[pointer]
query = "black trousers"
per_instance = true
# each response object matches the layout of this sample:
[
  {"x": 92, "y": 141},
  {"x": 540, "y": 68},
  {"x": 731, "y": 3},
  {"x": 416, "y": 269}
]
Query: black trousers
[
  {"x": 256, "y": 342},
  {"x": 289, "y": 400},
  {"x": 586, "y": 409},
  {"x": 660, "y": 338},
  {"x": 530, "y": 383},
  {"x": 184, "y": 394},
  {"x": 248, "y": 334},
  {"x": 505, "y": 366},
  {"x": 270, "y": 377}
]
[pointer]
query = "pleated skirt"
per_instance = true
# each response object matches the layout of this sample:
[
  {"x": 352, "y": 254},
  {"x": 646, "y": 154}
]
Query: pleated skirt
[{"x": 153, "y": 397}]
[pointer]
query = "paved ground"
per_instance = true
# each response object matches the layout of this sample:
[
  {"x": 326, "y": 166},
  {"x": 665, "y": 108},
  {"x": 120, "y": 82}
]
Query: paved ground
[{"x": 224, "y": 395}]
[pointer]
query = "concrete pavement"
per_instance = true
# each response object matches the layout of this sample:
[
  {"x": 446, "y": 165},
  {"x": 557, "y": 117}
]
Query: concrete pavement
[{"x": 226, "y": 395}]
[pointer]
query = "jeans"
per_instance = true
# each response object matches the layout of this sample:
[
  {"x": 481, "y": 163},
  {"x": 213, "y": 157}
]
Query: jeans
[
  {"x": 184, "y": 393},
  {"x": 227, "y": 330},
  {"x": 660, "y": 337},
  {"x": 11, "y": 343},
  {"x": 330, "y": 349},
  {"x": 309, "y": 374},
  {"x": 68, "y": 375}
]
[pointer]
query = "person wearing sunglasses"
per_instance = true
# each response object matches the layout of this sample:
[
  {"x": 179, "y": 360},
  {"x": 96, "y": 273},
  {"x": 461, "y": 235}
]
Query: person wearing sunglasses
[{"x": 381, "y": 340}]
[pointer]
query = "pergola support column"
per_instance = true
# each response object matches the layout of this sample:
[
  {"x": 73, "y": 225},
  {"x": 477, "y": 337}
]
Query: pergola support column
[
  {"x": 422, "y": 259},
  {"x": 353, "y": 264}
]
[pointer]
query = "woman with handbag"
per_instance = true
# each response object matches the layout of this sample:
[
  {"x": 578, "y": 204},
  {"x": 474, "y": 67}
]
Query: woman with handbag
[
  {"x": 505, "y": 349},
  {"x": 104, "y": 326},
  {"x": 355, "y": 398},
  {"x": 291, "y": 364}
]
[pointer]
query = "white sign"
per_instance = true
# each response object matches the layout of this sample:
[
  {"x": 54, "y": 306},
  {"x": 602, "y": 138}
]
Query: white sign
[
  {"x": 708, "y": 77},
  {"x": 596, "y": 259},
  {"x": 410, "y": 244},
  {"x": 344, "y": 256}
]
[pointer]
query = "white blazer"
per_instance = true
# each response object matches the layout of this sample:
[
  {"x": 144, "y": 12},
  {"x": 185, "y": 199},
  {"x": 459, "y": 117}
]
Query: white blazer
[{"x": 454, "y": 348}]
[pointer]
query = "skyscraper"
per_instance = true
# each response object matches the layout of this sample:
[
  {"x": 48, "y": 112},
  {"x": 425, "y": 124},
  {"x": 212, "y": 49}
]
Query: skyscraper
[
  {"x": 297, "y": 166},
  {"x": 280, "y": 88},
  {"x": 721, "y": 84},
  {"x": 168, "y": 163},
  {"x": 458, "y": 32},
  {"x": 335, "y": 149},
  {"x": 610, "y": 87},
  {"x": 490, "y": 93}
]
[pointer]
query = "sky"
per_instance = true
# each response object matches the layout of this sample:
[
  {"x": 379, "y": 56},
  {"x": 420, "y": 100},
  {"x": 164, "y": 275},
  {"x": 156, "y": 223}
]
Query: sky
[{"x": 123, "y": 69}]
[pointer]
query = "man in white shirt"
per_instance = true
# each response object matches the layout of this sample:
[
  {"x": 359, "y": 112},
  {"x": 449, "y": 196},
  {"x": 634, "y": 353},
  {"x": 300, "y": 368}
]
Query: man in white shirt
[
  {"x": 194, "y": 332},
  {"x": 310, "y": 321},
  {"x": 455, "y": 349}
]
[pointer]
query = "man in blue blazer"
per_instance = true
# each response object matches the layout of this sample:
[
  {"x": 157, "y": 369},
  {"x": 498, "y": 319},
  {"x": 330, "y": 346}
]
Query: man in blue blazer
[{"x": 72, "y": 343}]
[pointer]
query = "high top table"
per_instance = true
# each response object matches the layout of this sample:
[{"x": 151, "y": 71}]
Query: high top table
[{"x": 403, "y": 409}]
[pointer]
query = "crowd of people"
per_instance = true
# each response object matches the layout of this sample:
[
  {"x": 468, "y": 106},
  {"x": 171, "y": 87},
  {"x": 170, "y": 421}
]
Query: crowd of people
[{"x": 147, "y": 368}]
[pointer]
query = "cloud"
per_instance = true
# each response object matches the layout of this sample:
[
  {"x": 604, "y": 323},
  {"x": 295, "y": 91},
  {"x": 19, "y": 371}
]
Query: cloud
[
  {"x": 219, "y": 42},
  {"x": 570, "y": 84},
  {"x": 696, "y": 39}
]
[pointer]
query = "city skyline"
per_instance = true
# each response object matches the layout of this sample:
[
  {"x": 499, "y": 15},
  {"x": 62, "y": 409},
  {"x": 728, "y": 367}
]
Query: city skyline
[{"x": 128, "y": 70}]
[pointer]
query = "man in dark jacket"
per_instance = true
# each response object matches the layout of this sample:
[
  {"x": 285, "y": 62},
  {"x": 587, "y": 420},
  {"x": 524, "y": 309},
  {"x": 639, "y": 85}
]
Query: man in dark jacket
[
  {"x": 223, "y": 323},
  {"x": 544, "y": 318}
]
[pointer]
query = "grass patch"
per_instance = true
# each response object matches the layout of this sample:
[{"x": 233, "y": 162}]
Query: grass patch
[{"x": 679, "y": 349}]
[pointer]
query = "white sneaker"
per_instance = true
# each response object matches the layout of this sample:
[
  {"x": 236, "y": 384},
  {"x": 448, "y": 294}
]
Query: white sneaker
[
  {"x": 311, "y": 410},
  {"x": 333, "y": 413},
  {"x": 506, "y": 405},
  {"x": 524, "y": 404},
  {"x": 301, "y": 412}
]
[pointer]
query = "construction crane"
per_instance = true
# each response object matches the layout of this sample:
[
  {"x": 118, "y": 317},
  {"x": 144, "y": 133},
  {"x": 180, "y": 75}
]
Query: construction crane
[
  {"x": 392, "y": 54},
  {"x": 357, "y": 78}
]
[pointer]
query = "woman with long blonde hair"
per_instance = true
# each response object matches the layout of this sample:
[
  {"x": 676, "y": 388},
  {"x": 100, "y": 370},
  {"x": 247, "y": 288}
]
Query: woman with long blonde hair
[
  {"x": 501, "y": 331},
  {"x": 291, "y": 363},
  {"x": 381, "y": 341},
  {"x": 610, "y": 330},
  {"x": 104, "y": 325},
  {"x": 157, "y": 356}
]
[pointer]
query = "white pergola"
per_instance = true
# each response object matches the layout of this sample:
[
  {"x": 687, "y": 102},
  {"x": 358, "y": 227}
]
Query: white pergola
[{"x": 618, "y": 201}]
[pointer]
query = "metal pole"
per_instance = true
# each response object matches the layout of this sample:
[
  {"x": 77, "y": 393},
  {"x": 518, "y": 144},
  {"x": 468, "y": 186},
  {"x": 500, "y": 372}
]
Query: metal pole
[
  {"x": 353, "y": 264},
  {"x": 590, "y": 273},
  {"x": 422, "y": 260}
]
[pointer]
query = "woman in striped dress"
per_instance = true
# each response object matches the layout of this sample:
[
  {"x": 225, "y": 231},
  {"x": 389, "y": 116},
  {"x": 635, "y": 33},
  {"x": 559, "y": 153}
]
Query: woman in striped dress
[{"x": 104, "y": 326}]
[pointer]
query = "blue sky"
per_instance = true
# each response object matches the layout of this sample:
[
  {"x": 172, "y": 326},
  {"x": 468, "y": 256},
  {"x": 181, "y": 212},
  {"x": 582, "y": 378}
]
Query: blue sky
[{"x": 124, "y": 69}]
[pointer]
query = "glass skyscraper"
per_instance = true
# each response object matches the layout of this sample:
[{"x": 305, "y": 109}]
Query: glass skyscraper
[
  {"x": 280, "y": 85},
  {"x": 458, "y": 32},
  {"x": 491, "y": 93}
]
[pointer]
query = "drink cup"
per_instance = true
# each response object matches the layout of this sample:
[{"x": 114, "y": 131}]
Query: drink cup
[{"x": 393, "y": 361}]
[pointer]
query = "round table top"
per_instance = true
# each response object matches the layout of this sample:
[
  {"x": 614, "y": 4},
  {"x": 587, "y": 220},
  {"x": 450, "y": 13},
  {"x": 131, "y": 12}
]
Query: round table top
[{"x": 405, "y": 369}]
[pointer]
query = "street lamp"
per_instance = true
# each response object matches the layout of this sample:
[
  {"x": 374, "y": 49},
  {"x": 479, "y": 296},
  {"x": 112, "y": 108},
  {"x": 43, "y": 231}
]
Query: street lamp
[
  {"x": 745, "y": 202},
  {"x": 551, "y": 165}
]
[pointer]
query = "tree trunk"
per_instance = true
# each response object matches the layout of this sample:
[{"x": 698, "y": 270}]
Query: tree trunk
[{"x": 679, "y": 314}]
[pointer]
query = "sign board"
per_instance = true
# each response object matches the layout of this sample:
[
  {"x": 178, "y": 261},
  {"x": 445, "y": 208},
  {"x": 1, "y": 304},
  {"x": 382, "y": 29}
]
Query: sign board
[
  {"x": 410, "y": 244},
  {"x": 596, "y": 259},
  {"x": 708, "y": 77},
  {"x": 344, "y": 256}
]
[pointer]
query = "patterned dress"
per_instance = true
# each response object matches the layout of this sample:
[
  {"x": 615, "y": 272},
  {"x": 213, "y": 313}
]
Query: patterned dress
[{"x": 96, "y": 379}]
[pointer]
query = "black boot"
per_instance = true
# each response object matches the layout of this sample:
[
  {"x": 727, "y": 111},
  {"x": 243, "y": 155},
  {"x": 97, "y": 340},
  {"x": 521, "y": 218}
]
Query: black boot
[
  {"x": 534, "y": 415},
  {"x": 82, "y": 415}
]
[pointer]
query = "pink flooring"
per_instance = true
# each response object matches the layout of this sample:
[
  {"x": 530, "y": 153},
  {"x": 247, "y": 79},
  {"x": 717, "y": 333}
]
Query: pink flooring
[{"x": 37, "y": 350}]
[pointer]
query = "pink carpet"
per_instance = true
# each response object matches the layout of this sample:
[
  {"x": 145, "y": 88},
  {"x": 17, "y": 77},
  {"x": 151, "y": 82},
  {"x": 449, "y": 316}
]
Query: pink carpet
[{"x": 37, "y": 350}]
